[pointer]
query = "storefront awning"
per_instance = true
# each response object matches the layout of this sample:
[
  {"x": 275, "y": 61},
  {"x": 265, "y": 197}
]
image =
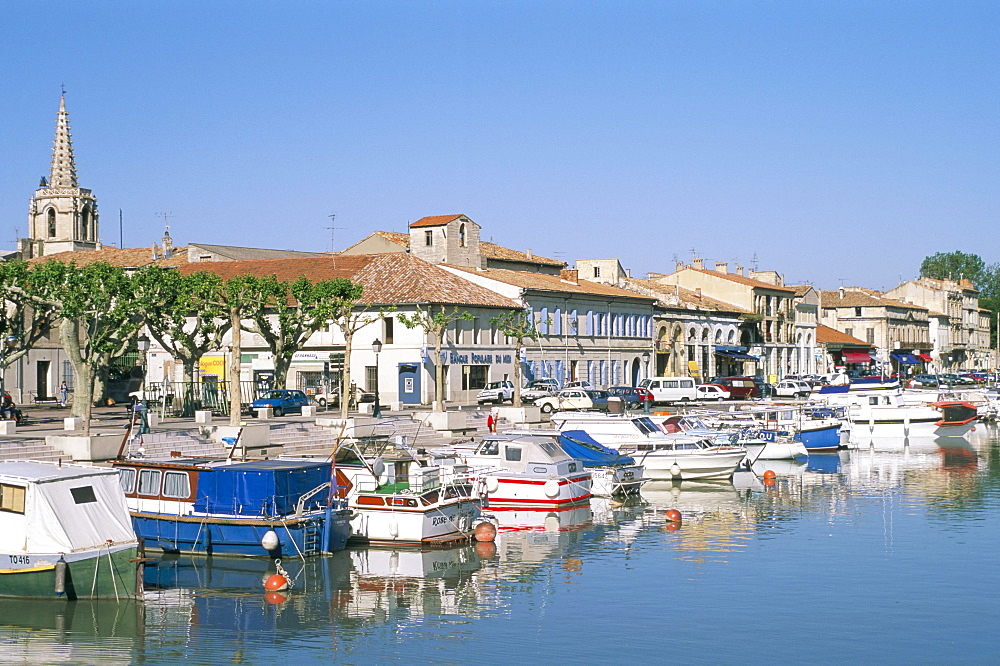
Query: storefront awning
[
  {"x": 925, "y": 357},
  {"x": 856, "y": 356},
  {"x": 904, "y": 358},
  {"x": 735, "y": 355}
]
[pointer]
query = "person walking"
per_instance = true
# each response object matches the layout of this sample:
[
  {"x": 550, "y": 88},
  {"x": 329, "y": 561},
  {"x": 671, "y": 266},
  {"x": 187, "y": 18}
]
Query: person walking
[
  {"x": 63, "y": 393},
  {"x": 491, "y": 422}
]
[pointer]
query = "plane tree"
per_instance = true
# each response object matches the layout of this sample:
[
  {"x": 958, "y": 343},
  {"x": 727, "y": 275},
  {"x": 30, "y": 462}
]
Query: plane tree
[
  {"x": 516, "y": 324},
  {"x": 435, "y": 320}
]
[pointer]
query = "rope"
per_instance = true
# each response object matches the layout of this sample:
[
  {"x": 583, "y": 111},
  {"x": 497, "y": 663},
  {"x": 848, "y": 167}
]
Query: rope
[{"x": 289, "y": 532}]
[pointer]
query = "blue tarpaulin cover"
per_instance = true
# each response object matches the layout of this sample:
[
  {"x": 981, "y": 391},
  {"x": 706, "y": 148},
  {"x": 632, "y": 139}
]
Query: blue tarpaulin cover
[
  {"x": 582, "y": 446},
  {"x": 261, "y": 488}
]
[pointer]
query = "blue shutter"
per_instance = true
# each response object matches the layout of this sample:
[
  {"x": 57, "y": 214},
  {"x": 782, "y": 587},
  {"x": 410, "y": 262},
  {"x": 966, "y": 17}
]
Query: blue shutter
[
  {"x": 557, "y": 322},
  {"x": 559, "y": 372},
  {"x": 543, "y": 321},
  {"x": 590, "y": 322},
  {"x": 574, "y": 323}
]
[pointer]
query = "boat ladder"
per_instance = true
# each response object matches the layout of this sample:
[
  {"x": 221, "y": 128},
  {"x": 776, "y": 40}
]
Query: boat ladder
[{"x": 311, "y": 535}]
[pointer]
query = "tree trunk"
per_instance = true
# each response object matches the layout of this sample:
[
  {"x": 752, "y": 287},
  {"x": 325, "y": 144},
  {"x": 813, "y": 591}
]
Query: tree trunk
[
  {"x": 83, "y": 399},
  {"x": 235, "y": 398},
  {"x": 517, "y": 372},
  {"x": 438, "y": 405},
  {"x": 345, "y": 388},
  {"x": 281, "y": 365},
  {"x": 187, "y": 399}
]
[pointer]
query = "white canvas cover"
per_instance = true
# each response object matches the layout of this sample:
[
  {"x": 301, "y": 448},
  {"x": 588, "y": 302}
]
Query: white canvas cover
[{"x": 56, "y": 521}]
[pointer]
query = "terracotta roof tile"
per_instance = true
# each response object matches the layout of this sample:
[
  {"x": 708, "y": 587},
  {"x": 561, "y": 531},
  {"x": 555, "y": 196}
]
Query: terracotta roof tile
[
  {"x": 852, "y": 299},
  {"x": 687, "y": 296},
  {"x": 546, "y": 282},
  {"x": 434, "y": 221},
  {"x": 390, "y": 278},
  {"x": 124, "y": 257},
  {"x": 825, "y": 335},
  {"x": 487, "y": 249},
  {"x": 750, "y": 282}
]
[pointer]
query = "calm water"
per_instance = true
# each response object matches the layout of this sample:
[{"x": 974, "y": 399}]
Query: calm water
[{"x": 884, "y": 555}]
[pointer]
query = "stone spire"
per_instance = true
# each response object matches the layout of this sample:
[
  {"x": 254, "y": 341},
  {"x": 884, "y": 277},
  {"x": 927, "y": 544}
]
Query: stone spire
[{"x": 63, "y": 164}]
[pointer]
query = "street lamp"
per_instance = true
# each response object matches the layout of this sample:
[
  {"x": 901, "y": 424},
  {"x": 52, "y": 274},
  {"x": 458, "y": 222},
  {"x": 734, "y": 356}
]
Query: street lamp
[
  {"x": 377, "y": 409},
  {"x": 143, "y": 344},
  {"x": 645, "y": 363}
]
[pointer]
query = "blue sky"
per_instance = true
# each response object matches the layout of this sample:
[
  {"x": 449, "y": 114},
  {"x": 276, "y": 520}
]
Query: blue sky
[{"x": 835, "y": 142}]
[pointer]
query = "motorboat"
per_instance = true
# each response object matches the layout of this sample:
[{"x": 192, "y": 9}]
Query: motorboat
[
  {"x": 885, "y": 414},
  {"x": 269, "y": 508},
  {"x": 748, "y": 433},
  {"x": 663, "y": 456},
  {"x": 399, "y": 499},
  {"x": 66, "y": 533},
  {"x": 612, "y": 474},
  {"x": 526, "y": 470}
]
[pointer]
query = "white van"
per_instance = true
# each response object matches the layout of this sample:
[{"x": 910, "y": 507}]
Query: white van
[{"x": 670, "y": 389}]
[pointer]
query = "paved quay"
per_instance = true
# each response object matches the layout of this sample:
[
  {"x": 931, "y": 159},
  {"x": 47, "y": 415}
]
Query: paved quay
[{"x": 289, "y": 434}]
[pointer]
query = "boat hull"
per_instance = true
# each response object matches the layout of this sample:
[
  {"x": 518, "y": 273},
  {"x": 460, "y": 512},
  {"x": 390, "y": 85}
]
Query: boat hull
[
  {"x": 619, "y": 481},
  {"x": 684, "y": 465},
  {"x": 780, "y": 450},
  {"x": 312, "y": 534},
  {"x": 388, "y": 524},
  {"x": 107, "y": 573},
  {"x": 523, "y": 491}
]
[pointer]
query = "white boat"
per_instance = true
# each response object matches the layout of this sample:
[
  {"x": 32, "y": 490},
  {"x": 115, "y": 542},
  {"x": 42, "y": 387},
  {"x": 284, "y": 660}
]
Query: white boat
[
  {"x": 663, "y": 456},
  {"x": 401, "y": 501},
  {"x": 748, "y": 433},
  {"x": 527, "y": 470},
  {"x": 884, "y": 414},
  {"x": 66, "y": 533}
]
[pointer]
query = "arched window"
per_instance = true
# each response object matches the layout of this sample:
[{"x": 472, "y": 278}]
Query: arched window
[
  {"x": 52, "y": 222},
  {"x": 461, "y": 235},
  {"x": 85, "y": 224}
]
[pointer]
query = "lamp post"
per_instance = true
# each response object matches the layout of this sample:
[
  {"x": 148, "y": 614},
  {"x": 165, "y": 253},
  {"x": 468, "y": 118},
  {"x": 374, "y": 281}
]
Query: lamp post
[
  {"x": 377, "y": 409},
  {"x": 143, "y": 344},
  {"x": 645, "y": 363}
]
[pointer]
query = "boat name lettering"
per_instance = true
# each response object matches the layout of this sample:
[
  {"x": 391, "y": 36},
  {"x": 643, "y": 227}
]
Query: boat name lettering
[
  {"x": 439, "y": 520},
  {"x": 20, "y": 559},
  {"x": 480, "y": 359}
]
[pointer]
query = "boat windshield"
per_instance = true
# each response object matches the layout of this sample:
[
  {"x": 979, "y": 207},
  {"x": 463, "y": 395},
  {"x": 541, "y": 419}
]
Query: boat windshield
[
  {"x": 552, "y": 449},
  {"x": 646, "y": 425}
]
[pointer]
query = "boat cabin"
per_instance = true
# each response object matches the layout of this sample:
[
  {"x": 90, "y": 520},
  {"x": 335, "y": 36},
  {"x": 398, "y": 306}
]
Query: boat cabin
[{"x": 534, "y": 454}]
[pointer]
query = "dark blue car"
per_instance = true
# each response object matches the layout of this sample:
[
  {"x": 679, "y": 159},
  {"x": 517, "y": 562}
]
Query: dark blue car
[{"x": 281, "y": 401}]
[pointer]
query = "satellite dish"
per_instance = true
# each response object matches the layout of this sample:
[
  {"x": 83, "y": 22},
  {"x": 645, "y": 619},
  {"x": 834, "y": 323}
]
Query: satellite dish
[{"x": 378, "y": 467}]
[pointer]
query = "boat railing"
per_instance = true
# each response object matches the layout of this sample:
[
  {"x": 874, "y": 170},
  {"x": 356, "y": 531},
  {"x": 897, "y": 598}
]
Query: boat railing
[{"x": 300, "y": 506}]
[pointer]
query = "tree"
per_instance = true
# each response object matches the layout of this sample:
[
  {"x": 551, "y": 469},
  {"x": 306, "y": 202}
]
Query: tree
[
  {"x": 435, "y": 323},
  {"x": 349, "y": 318},
  {"x": 98, "y": 320},
  {"x": 954, "y": 266},
  {"x": 290, "y": 325},
  {"x": 184, "y": 316},
  {"x": 24, "y": 320},
  {"x": 516, "y": 324}
]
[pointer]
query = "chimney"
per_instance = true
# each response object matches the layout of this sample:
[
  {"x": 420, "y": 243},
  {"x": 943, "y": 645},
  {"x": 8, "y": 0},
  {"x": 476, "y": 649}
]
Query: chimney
[
  {"x": 528, "y": 254},
  {"x": 100, "y": 245},
  {"x": 739, "y": 270},
  {"x": 841, "y": 293},
  {"x": 570, "y": 275},
  {"x": 698, "y": 263},
  {"x": 679, "y": 266},
  {"x": 156, "y": 253},
  {"x": 722, "y": 267},
  {"x": 697, "y": 293},
  {"x": 628, "y": 273}
]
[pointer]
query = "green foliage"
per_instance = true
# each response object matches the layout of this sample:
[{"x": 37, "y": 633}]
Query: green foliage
[
  {"x": 515, "y": 324},
  {"x": 954, "y": 266}
]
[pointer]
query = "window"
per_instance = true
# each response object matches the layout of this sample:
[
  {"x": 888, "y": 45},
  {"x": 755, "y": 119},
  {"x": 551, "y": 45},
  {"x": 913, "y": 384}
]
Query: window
[
  {"x": 428, "y": 238},
  {"x": 512, "y": 453},
  {"x": 857, "y": 312},
  {"x": 52, "y": 223},
  {"x": 849, "y": 331},
  {"x": 176, "y": 485},
  {"x": 11, "y": 498},
  {"x": 461, "y": 236},
  {"x": 387, "y": 323},
  {"x": 83, "y": 494},
  {"x": 67, "y": 374},
  {"x": 597, "y": 271},
  {"x": 126, "y": 477},
  {"x": 370, "y": 378},
  {"x": 474, "y": 377},
  {"x": 870, "y": 335},
  {"x": 149, "y": 482}
]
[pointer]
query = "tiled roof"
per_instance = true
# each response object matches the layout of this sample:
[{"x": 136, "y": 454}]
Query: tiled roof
[
  {"x": 487, "y": 249},
  {"x": 687, "y": 296},
  {"x": 434, "y": 221},
  {"x": 390, "y": 278},
  {"x": 827, "y": 335},
  {"x": 546, "y": 282},
  {"x": 237, "y": 253},
  {"x": 127, "y": 257},
  {"x": 801, "y": 289},
  {"x": 853, "y": 299},
  {"x": 750, "y": 282}
]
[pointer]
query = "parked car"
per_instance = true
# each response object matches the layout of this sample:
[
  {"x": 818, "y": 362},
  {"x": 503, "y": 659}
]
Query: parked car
[
  {"x": 924, "y": 380},
  {"x": 573, "y": 398},
  {"x": 712, "y": 392},
  {"x": 670, "y": 389},
  {"x": 539, "y": 388},
  {"x": 792, "y": 388},
  {"x": 632, "y": 396},
  {"x": 496, "y": 392},
  {"x": 281, "y": 401},
  {"x": 582, "y": 383},
  {"x": 740, "y": 388}
]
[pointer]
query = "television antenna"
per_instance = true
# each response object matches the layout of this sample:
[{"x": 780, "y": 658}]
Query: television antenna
[{"x": 333, "y": 230}]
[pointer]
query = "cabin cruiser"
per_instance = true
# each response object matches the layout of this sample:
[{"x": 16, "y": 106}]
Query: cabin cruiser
[
  {"x": 664, "y": 456},
  {"x": 525, "y": 469},
  {"x": 748, "y": 433},
  {"x": 885, "y": 414}
]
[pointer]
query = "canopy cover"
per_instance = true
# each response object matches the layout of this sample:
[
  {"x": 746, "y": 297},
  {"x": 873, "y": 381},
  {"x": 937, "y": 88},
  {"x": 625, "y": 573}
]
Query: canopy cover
[{"x": 582, "y": 446}]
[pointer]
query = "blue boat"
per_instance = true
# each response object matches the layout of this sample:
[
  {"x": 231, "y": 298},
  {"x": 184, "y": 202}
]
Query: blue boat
[{"x": 273, "y": 508}]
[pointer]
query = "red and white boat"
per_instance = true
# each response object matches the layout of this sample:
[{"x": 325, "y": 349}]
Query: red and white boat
[{"x": 525, "y": 471}]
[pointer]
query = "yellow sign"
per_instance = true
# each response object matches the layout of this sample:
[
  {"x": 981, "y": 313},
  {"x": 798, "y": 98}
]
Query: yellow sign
[
  {"x": 214, "y": 365},
  {"x": 693, "y": 369}
]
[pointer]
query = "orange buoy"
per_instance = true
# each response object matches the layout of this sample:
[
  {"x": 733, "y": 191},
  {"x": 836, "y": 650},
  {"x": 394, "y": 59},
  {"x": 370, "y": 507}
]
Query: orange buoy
[
  {"x": 673, "y": 515},
  {"x": 484, "y": 550},
  {"x": 768, "y": 481},
  {"x": 672, "y": 527},
  {"x": 275, "y": 598},
  {"x": 275, "y": 583},
  {"x": 485, "y": 532},
  {"x": 769, "y": 474}
]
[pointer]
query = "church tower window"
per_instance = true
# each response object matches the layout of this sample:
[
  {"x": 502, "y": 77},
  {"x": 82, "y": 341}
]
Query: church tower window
[
  {"x": 51, "y": 216},
  {"x": 461, "y": 236}
]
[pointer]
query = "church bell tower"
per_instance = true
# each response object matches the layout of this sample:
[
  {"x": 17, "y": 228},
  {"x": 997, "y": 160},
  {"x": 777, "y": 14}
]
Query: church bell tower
[{"x": 62, "y": 215}]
